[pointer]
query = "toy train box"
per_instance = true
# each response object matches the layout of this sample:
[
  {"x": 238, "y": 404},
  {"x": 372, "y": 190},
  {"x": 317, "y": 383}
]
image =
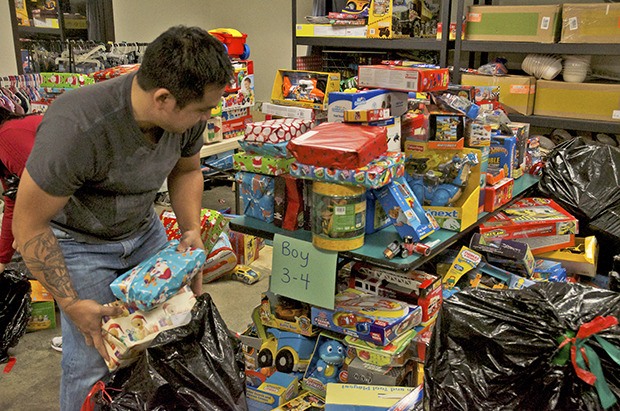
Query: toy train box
[
  {"x": 286, "y": 314},
  {"x": 368, "y": 317},
  {"x": 530, "y": 217},
  {"x": 300, "y": 88}
]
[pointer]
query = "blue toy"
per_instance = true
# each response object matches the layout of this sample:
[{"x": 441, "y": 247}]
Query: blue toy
[
  {"x": 331, "y": 357},
  {"x": 444, "y": 186}
]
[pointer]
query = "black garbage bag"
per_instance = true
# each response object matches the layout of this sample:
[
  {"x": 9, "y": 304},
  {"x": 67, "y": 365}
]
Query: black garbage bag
[
  {"x": 15, "y": 310},
  {"x": 194, "y": 367},
  {"x": 499, "y": 349}
]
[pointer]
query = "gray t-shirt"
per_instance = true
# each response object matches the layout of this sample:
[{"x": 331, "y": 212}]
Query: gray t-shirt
[{"x": 89, "y": 147}]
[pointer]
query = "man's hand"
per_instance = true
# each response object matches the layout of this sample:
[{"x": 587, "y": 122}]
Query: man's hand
[
  {"x": 86, "y": 315},
  {"x": 191, "y": 239}
]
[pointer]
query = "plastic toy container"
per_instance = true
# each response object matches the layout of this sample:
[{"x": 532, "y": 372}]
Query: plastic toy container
[{"x": 234, "y": 42}]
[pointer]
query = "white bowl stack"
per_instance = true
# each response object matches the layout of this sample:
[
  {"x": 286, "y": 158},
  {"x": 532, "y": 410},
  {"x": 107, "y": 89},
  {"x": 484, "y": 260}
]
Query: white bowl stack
[
  {"x": 576, "y": 68},
  {"x": 545, "y": 66}
]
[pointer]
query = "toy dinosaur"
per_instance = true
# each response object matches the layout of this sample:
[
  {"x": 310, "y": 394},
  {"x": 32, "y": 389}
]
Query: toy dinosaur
[{"x": 331, "y": 357}]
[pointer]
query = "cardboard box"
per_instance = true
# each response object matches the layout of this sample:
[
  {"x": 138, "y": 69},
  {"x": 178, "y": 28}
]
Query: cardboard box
[
  {"x": 284, "y": 314},
  {"x": 591, "y": 23},
  {"x": 293, "y": 112},
  {"x": 39, "y": 293},
  {"x": 306, "y": 401},
  {"x": 350, "y": 317},
  {"x": 326, "y": 83},
  {"x": 369, "y": 374},
  {"x": 498, "y": 194},
  {"x": 43, "y": 316},
  {"x": 393, "y": 130},
  {"x": 512, "y": 250},
  {"x": 347, "y": 397},
  {"x": 539, "y": 24},
  {"x": 589, "y": 101},
  {"x": 403, "y": 78},
  {"x": 364, "y": 115},
  {"x": 394, "y": 354},
  {"x": 339, "y": 102},
  {"x": 330, "y": 30},
  {"x": 515, "y": 92},
  {"x": 581, "y": 262},
  {"x": 547, "y": 243},
  {"x": 502, "y": 155},
  {"x": 405, "y": 18},
  {"x": 276, "y": 390}
]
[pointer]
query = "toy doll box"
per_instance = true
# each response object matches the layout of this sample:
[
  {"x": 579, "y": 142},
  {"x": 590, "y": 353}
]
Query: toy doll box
[
  {"x": 328, "y": 364},
  {"x": 273, "y": 166},
  {"x": 530, "y": 217},
  {"x": 127, "y": 335},
  {"x": 403, "y": 78},
  {"x": 286, "y": 314},
  {"x": 367, "y": 317},
  {"x": 377, "y": 173},
  {"x": 212, "y": 224},
  {"x": 339, "y": 145},
  {"x": 464, "y": 211},
  {"x": 308, "y": 89},
  {"x": 405, "y": 211},
  {"x": 339, "y": 102}
]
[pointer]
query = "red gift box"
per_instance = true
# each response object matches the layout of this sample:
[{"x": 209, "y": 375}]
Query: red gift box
[
  {"x": 212, "y": 223},
  {"x": 340, "y": 145}
]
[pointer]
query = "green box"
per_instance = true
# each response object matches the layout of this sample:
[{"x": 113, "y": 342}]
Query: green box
[
  {"x": 539, "y": 24},
  {"x": 43, "y": 316}
]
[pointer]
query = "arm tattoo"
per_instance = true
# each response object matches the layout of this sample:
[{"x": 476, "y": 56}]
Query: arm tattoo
[{"x": 42, "y": 255}]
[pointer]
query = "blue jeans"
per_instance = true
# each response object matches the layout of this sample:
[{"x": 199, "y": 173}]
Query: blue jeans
[{"x": 92, "y": 268}]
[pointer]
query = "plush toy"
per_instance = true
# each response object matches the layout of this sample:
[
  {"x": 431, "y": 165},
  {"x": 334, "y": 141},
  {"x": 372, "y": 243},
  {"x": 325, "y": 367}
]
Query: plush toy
[{"x": 331, "y": 357}]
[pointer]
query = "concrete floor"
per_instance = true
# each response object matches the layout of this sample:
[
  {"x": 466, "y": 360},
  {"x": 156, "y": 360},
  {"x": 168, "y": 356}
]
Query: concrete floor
[{"x": 33, "y": 382}]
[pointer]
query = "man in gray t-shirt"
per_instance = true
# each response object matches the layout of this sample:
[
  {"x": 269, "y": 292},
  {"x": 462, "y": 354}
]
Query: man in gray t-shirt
[{"x": 84, "y": 211}]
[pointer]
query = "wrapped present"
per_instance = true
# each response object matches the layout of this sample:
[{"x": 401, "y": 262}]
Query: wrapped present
[
  {"x": 158, "y": 277},
  {"x": 256, "y": 194},
  {"x": 221, "y": 260},
  {"x": 377, "y": 173},
  {"x": 130, "y": 333},
  {"x": 340, "y": 145},
  {"x": 116, "y": 71},
  {"x": 276, "y": 131},
  {"x": 273, "y": 166},
  {"x": 265, "y": 149},
  {"x": 212, "y": 223}
]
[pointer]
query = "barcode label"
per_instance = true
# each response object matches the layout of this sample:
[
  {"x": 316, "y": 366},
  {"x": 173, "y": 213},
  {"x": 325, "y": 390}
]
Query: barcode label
[
  {"x": 412, "y": 85},
  {"x": 615, "y": 115},
  {"x": 572, "y": 23},
  {"x": 544, "y": 23},
  {"x": 340, "y": 210}
]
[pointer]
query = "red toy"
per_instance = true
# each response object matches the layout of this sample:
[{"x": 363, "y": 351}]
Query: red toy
[{"x": 234, "y": 41}]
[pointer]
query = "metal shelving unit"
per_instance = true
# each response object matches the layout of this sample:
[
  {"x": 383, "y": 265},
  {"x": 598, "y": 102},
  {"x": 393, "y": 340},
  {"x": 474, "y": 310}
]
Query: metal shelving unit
[
  {"x": 356, "y": 44},
  {"x": 470, "y": 46}
]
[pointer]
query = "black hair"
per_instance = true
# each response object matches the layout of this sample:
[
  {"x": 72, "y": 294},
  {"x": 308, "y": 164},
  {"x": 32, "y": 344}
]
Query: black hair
[
  {"x": 6, "y": 115},
  {"x": 185, "y": 61}
]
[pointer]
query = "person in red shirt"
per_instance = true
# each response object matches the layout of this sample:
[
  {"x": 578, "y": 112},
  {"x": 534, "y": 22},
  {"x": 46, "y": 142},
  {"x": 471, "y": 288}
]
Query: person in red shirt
[{"x": 17, "y": 134}]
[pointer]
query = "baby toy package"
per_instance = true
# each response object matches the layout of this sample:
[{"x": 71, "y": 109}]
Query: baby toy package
[{"x": 127, "y": 335}]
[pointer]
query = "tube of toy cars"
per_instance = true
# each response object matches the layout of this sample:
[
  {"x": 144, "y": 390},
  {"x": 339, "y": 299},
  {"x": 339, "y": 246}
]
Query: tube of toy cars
[
  {"x": 197, "y": 366},
  {"x": 511, "y": 350},
  {"x": 15, "y": 310}
]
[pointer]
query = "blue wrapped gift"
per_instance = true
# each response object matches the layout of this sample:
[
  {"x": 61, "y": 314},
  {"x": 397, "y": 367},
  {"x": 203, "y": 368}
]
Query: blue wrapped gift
[
  {"x": 159, "y": 277},
  {"x": 256, "y": 194},
  {"x": 265, "y": 149}
]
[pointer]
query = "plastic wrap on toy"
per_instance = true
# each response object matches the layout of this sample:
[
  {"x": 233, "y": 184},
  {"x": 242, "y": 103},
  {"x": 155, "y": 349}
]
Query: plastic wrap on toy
[
  {"x": 339, "y": 145},
  {"x": 256, "y": 192},
  {"x": 159, "y": 277},
  {"x": 276, "y": 131},
  {"x": 197, "y": 366},
  {"x": 460, "y": 104},
  {"x": 15, "y": 310},
  {"x": 505, "y": 349},
  {"x": 265, "y": 149}
]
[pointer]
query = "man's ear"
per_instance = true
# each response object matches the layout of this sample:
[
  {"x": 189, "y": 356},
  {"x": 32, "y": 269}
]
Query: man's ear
[{"x": 163, "y": 99}]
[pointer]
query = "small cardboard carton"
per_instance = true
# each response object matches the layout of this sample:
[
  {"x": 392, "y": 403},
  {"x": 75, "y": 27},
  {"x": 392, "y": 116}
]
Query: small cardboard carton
[
  {"x": 591, "y": 23},
  {"x": 515, "y": 92},
  {"x": 539, "y": 24}
]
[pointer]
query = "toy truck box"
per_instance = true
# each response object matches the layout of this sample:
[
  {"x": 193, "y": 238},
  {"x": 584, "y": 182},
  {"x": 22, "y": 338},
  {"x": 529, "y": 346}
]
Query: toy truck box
[
  {"x": 339, "y": 102},
  {"x": 286, "y": 314},
  {"x": 368, "y": 317},
  {"x": 413, "y": 287},
  {"x": 403, "y": 78},
  {"x": 275, "y": 391},
  {"x": 530, "y": 217},
  {"x": 579, "y": 260},
  {"x": 389, "y": 19},
  {"x": 309, "y": 89}
]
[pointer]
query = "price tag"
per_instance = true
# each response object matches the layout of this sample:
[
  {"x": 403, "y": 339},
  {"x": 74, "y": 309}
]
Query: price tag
[{"x": 303, "y": 272}]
